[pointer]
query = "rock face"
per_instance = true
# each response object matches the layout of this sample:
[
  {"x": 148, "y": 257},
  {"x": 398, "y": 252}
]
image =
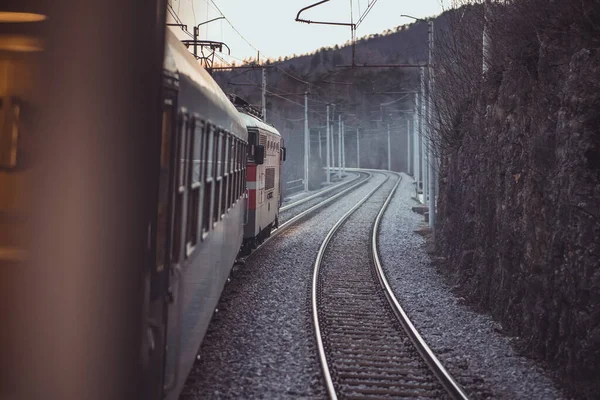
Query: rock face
[{"x": 519, "y": 203}]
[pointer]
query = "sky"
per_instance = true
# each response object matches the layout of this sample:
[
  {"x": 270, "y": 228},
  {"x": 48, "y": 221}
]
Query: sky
[{"x": 269, "y": 26}]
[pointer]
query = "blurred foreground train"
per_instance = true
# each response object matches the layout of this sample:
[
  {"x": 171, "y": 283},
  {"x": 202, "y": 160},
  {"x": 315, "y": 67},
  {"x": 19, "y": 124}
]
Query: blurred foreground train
[{"x": 218, "y": 196}]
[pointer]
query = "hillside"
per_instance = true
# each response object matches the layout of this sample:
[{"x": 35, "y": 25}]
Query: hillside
[{"x": 356, "y": 93}]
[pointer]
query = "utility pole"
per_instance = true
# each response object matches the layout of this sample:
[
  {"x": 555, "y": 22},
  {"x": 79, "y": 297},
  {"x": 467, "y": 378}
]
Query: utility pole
[
  {"x": 389, "y": 148},
  {"x": 343, "y": 149},
  {"x": 415, "y": 131},
  {"x": 408, "y": 146},
  {"x": 423, "y": 133},
  {"x": 306, "y": 141},
  {"x": 264, "y": 94},
  {"x": 431, "y": 158},
  {"x": 418, "y": 135},
  {"x": 328, "y": 148},
  {"x": 196, "y": 34},
  {"x": 320, "y": 152},
  {"x": 357, "y": 148},
  {"x": 340, "y": 146},
  {"x": 331, "y": 130}
]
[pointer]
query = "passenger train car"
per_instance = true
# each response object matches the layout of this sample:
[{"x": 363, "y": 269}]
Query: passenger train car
[
  {"x": 263, "y": 178},
  {"x": 147, "y": 191},
  {"x": 201, "y": 206}
]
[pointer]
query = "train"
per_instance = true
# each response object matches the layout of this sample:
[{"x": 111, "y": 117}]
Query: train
[
  {"x": 210, "y": 193},
  {"x": 219, "y": 197}
]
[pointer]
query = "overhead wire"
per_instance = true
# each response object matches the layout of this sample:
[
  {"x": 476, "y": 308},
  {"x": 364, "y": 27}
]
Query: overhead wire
[
  {"x": 194, "y": 13},
  {"x": 362, "y": 17},
  {"x": 178, "y": 20},
  {"x": 234, "y": 28}
]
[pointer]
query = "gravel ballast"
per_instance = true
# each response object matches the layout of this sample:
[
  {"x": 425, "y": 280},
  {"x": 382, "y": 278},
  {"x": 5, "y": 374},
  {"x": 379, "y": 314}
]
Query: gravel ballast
[
  {"x": 261, "y": 342},
  {"x": 302, "y": 195},
  {"x": 292, "y": 212},
  {"x": 469, "y": 344}
]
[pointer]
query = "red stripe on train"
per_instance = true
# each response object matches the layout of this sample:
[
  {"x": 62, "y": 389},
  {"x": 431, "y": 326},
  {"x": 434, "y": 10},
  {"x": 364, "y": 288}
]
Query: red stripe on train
[
  {"x": 252, "y": 199},
  {"x": 251, "y": 173},
  {"x": 251, "y": 178}
]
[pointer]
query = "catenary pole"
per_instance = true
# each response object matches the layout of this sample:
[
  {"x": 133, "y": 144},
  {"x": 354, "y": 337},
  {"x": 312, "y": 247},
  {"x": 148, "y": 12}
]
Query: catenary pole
[
  {"x": 389, "y": 148},
  {"x": 340, "y": 146},
  {"x": 306, "y": 141},
  {"x": 264, "y": 94},
  {"x": 357, "y": 148},
  {"x": 432, "y": 158},
  {"x": 408, "y": 146},
  {"x": 343, "y": 148},
  {"x": 328, "y": 147}
]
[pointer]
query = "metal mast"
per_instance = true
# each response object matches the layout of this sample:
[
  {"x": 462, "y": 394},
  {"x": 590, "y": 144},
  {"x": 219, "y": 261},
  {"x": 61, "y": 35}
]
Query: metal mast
[{"x": 306, "y": 141}]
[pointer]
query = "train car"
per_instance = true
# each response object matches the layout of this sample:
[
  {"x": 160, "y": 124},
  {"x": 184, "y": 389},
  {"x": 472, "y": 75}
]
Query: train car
[
  {"x": 263, "y": 177},
  {"x": 201, "y": 206}
]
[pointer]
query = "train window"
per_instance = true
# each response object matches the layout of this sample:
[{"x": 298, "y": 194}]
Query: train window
[
  {"x": 244, "y": 167},
  {"x": 232, "y": 147},
  {"x": 218, "y": 169},
  {"x": 232, "y": 173},
  {"x": 179, "y": 195},
  {"x": 242, "y": 149},
  {"x": 238, "y": 163},
  {"x": 162, "y": 218},
  {"x": 183, "y": 152},
  {"x": 224, "y": 159},
  {"x": 237, "y": 170},
  {"x": 225, "y": 154},
  {"x": 208, "y": 151},
  {"x": 193, "y": 215},
  {"x": 196, "y": 147}
]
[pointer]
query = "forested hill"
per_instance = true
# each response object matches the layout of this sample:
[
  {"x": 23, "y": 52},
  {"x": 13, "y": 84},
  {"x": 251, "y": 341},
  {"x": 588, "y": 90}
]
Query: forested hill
[{"x": 355, "y": 92}]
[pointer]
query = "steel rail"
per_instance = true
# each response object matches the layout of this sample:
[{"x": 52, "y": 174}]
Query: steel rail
[
  {"x": 318, "y": 194},
  {"x": 303, "y": 214},
  {"x": 451, "y": 386},
  {"x": 319, "y": 259}
]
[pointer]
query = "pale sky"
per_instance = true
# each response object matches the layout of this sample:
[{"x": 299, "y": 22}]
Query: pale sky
[{"x": 270, "y": 26}]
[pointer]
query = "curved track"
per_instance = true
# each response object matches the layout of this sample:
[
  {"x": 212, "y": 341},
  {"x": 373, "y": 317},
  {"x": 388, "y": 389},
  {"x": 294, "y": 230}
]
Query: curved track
[
  {"x": 361, "y": 181},
  {"x": 320, "y": 193},
  {"x": 368, "y": 348}
]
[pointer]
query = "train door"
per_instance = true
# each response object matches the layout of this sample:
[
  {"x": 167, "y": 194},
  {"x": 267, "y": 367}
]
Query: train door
[{"x": 163, "y": 274}]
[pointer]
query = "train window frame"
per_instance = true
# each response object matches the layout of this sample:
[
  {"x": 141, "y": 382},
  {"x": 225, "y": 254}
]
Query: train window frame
[
  {"x": 179, "y": 204},
  {"x": 222, "y": 173},
  {"x": 236, "y": 155},
  {"x": 225, "y": 190},
  {"x": 243, "y": 183},
  {"x": 162, "y": 234},
  {"x": 194, "y": 214},
  {"x": 209, "y": 181},
  {"x": 217, "y": 181},
  {"x": 231, "y": 170}
]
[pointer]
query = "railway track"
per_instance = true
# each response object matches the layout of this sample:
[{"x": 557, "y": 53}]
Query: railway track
[
  {"x": 320, "y": 193},
  {"x": 364, "y": 178},
  {"x": 368, "y": 348},
  {"x": 296, "y": 208}
]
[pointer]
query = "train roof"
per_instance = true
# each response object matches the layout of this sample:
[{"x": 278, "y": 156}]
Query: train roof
[
  {"x": 253, "y": 122},
  {"x": 219, "y": 109}
]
